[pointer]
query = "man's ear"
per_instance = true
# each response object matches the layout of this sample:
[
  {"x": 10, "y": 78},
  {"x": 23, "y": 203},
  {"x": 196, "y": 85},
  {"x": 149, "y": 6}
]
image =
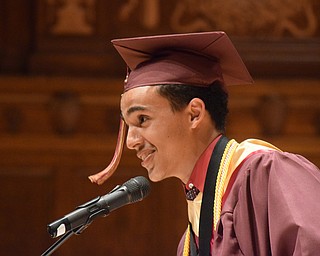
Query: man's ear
[{"x": 197, "y": 110}]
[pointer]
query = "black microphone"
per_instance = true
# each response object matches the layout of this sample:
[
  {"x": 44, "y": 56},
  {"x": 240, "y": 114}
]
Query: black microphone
[{"x": 132, "y": 191}]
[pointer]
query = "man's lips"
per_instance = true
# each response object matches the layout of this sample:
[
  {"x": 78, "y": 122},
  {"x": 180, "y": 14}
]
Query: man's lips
[{"x": 144, "y": 154}]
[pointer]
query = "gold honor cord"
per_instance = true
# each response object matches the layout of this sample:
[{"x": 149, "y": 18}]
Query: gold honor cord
[
  {"x": 221, "y": 180},
  {"x": 220, "y": 184},
  {"x": 186, "y": 246}
]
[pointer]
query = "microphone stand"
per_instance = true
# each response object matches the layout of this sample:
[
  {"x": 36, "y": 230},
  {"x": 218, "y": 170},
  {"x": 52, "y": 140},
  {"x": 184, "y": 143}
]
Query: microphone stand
[
  {"x": 64, "y": 238},
  {"x": 78, "y": 230}
]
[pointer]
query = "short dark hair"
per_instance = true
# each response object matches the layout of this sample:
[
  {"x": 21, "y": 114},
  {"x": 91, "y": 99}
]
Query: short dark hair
[{"x": 214, "y": 97}]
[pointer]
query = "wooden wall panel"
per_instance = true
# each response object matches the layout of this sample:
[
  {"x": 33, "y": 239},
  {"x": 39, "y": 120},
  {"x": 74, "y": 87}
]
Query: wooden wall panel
[
  {"x": 26, "y": 202},
  {"x": 73, "y": 37}
]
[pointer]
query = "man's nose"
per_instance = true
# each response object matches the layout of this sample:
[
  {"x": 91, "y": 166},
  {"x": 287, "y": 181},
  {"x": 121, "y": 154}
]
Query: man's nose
[{"x": 134, "y": 139}]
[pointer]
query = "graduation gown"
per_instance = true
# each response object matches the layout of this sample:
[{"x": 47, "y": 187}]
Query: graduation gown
[{"x": 271, "y": 207}]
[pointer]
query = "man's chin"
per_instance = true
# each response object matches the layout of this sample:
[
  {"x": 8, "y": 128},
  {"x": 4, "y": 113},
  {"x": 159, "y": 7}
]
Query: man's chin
[{"x": 153, "y": 177}]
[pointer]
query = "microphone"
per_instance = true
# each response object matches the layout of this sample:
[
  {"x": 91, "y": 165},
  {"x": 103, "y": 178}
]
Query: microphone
[{"x": 132, "y": 191}]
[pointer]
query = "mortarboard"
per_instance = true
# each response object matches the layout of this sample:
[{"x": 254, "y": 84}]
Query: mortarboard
[{"x": 196, "y": 59}]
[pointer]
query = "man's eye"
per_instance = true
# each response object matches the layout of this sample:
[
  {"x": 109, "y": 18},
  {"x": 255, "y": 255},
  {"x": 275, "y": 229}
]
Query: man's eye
[{"x": 142, "y": 119}]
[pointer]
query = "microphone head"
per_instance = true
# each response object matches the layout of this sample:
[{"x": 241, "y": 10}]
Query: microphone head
[{"x": 138, "y": 188}]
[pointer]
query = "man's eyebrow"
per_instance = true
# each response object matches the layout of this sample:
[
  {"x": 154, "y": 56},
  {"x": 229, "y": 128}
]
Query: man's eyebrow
[{"x": 135, "y": 108}]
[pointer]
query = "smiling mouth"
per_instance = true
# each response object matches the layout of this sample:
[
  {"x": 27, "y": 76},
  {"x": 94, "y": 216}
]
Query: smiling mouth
[{"x": 144, "y": 155}]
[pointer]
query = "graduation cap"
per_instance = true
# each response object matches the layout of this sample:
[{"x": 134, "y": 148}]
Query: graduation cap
[
  {"x": 197, "y": 59},
  {"x": 194, "y": 59}
]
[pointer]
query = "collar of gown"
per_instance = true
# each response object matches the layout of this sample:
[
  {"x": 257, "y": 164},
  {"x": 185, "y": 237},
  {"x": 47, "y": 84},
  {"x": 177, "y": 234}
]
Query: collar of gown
[{"x": 198, "y": 175}]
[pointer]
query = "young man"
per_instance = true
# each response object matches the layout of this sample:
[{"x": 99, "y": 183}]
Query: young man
[{"x": 246, "y": 198}]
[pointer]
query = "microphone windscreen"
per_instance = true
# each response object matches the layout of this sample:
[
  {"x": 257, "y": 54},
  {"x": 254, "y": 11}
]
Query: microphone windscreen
[{"x": 138, "y": 188}]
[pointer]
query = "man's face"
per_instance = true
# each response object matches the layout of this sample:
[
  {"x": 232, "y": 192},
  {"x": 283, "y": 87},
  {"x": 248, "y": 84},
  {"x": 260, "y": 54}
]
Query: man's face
[{"x": 159, "y": 135}]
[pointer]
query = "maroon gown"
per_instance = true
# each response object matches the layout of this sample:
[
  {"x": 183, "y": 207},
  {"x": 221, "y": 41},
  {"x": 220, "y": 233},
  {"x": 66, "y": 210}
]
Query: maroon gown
[{"x": 273, "y": 208}]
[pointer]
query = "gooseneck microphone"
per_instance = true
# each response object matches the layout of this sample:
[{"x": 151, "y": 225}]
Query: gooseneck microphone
[{"x": 132, "y": 191}]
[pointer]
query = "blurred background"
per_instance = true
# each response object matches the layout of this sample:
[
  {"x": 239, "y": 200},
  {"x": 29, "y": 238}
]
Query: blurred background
[{"x": 60, "y": 86}]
